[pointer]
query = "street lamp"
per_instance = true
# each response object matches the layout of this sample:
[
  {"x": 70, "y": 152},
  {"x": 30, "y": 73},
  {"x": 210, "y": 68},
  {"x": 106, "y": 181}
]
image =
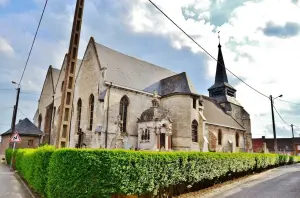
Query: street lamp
[{"x": 273, "y": 121}]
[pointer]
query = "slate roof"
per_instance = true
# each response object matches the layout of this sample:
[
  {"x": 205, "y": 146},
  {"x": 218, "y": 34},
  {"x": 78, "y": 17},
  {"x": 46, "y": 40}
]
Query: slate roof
[
  {"x": 26, "y": 128},
  {"x": 178, "y": 83},
  {"x": 221, "y": 76},
  {"x": 128, "y": 71},
  {"x": 215, "y": 114}
]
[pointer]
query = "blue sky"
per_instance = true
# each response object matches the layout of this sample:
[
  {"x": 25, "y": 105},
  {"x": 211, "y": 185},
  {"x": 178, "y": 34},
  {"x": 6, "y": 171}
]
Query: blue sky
[{"x": 260, "y": 48}]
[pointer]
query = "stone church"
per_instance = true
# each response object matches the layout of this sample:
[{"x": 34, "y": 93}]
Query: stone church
[{"x": 123, "y": 102}]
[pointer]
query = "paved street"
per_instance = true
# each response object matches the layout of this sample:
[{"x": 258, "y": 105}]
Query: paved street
[
  {"x": 10, "y": 186},
  {"x": 283, "y": 182}
]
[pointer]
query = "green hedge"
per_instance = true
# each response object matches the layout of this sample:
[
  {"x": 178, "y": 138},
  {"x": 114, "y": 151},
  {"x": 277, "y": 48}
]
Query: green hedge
[
  {"x": 32, "y": 164},
  {"x": 100, "y": 173},
  {"x": 8, "y": 155},
  {"x": 87, "y": 173}
]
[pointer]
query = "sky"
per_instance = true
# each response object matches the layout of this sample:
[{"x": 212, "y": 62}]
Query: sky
[{"x": 260, "y": 41}]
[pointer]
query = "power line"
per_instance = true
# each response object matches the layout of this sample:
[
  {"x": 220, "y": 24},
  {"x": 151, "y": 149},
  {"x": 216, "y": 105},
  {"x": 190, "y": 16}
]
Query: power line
[
  {"x": 288, "y": 102},
  {"x": 205, "y": 50},
  {"x": 280, "y": 116},
  {"x": 22, "y": 113},
  {"x": 33, "y": 43}
]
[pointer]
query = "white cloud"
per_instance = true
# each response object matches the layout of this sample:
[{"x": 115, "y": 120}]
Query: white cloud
[
  {"x": 5, "y": 47},
  {"x": 3, "y": 2},
  {"x": 269, "y": 64}
]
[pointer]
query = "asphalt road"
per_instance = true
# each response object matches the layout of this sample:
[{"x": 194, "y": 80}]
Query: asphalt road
[
  {"x": 10, "y": 185},
  {"x": 283, "y": 182}
]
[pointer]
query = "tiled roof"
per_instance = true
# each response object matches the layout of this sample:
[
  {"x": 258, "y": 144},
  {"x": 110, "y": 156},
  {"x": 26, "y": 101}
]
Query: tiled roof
[
  {"x": 178, "y": 83},
  {"x": 128, "y": 71},
  {"x": 25, "y": 127},
  {"x": 215, "y": 114}
]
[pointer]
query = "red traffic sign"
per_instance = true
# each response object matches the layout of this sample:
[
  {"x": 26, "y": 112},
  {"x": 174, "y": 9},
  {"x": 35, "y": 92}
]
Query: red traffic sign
[{"x": 15, "y": 137}]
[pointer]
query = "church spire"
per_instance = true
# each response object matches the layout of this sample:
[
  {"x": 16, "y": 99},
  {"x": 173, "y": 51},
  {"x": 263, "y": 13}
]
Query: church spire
[
  {"x": 221, "y": 87},
  {"x": 221, "y": 76}
]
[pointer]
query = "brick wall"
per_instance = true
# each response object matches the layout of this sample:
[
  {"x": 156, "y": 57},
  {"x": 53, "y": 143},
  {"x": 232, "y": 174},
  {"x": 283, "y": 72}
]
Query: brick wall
[{"x": 23, "y": 144}]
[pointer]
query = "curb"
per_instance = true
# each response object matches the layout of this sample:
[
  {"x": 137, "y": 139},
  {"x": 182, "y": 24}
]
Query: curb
[{"x": 24, "y": 184}]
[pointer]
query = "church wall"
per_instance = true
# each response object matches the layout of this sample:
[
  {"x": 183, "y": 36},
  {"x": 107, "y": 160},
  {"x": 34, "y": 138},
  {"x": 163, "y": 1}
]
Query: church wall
[
  {"x": 45, "y": 100},
  {"x": 137, "y": 104},
  {"x": 240, "y": 115},
  {"x": 57, "y": 102},
  {"x": 196, "y": 146},
  {"x": 180, "y": 107},
  {"x": 87, "y": 83},
  {"x": 228, "y": 134}
]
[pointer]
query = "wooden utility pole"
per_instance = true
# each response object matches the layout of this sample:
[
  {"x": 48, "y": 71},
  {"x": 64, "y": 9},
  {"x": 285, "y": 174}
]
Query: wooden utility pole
[
  {"x": 64, "y": 121},
  {"x": 273, "y": 124},
  {"x": 294, "y": 148}
]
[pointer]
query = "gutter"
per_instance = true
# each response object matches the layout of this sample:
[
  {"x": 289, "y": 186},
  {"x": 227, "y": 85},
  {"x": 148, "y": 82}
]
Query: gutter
[{"x": 107, "y": 114}]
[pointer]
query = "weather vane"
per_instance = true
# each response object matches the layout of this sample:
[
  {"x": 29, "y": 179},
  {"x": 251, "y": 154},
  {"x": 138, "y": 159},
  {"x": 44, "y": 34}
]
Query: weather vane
[{"x": 219, "y": 37}]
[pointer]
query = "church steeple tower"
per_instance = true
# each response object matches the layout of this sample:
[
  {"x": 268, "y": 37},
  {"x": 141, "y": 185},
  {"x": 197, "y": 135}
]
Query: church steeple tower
[
  {"x": 221, "y": 76},
  {"x": 221, "y": 89}
]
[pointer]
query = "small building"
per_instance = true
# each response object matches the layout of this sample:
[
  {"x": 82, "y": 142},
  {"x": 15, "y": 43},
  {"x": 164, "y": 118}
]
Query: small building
[
  {"x": 30, "y": 136},
  {"x": 287, "y": 146}
]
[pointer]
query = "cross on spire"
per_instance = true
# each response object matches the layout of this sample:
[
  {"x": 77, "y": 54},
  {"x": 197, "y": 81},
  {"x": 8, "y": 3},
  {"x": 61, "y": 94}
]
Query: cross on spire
[{"x": 219, "y": 37}]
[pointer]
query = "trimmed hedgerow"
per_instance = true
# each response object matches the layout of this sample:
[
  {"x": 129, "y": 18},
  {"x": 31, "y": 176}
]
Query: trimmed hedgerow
[
  {"x": 32, "y": 164},
  {"x": 100, "y": 173},
  {"x": 9, "y": 154},
  {"x": 86, "y": 173}
]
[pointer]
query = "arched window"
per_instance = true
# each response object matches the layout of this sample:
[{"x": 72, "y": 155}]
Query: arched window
[
  {"x": 143, "y": 135},
  {"x": 237, "y": 140},
  {"x": 40, "y": 121},
  {"x": 123, "y": 112},
  {"x": 62, "y": 86},
  {"x": 195, "y": 131},
  {"x": 219, "y": 137},
  {"x": 79, "y": 105},
  {"x": 146, "y": 135},
  {"x": 91, "y": 108}
]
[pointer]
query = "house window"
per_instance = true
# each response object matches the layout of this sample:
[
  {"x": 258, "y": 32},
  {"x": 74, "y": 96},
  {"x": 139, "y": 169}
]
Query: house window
[
  {"x": 194, "y": 131},
  {"x": 123, "y": 112},
  {"x": 30, "y": 143},
  {"x": 40, "y": 121},
  {"x": 219, "y": 137},
  {"x": 79, "y": 105},
  {"x": 237, "y": 140},
  {"x": 91, "y": 107},
  {"x": 194, "y": 103}
]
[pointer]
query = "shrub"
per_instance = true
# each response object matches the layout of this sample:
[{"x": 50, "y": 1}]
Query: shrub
[
  {"x": 101, "y": 173},
  {"x": 9, "y": 154},
  {"x": 32, "y": 164}
]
